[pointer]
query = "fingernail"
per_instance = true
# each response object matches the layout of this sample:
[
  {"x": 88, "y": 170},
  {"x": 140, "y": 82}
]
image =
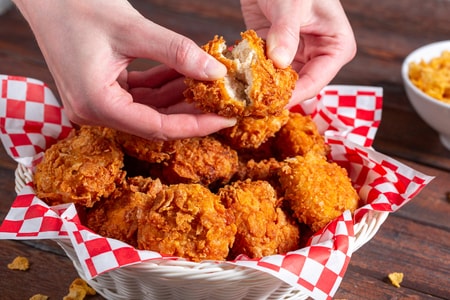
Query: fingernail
[
  {"x": 230, "y": 122},
  {"x": 280, "y": 56},
  {"x": 214, "y": 69}
]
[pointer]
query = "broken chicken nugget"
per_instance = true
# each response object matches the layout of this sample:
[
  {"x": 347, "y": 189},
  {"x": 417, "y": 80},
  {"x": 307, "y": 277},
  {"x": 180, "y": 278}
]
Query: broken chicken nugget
[{"x": 253, "y": 85}]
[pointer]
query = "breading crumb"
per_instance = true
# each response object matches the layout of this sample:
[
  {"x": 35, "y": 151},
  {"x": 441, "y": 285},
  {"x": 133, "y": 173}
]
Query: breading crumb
[
  {"x": 395, "y": 278},
  {"x": 19, "y": 263},
  {"x": 78, "y": 290},
  {"x": 39, "y": 297}
]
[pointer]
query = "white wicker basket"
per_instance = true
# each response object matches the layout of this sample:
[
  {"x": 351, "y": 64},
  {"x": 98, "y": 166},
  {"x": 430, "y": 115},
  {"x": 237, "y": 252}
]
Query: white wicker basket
[{"x": 165, "y": 279}]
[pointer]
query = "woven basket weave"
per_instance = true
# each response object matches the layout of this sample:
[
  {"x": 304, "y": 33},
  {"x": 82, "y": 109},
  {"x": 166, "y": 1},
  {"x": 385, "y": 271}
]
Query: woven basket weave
[{"x": 163, "y": 279}]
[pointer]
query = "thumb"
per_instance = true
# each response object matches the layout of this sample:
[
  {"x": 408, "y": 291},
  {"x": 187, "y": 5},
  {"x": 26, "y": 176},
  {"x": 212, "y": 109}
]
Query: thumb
[{"x": 284, "y": 34}]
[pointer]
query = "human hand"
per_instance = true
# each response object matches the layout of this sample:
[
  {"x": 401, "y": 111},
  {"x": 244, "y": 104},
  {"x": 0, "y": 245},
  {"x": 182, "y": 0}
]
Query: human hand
[
  {"x": 88, "y": 46},
  {"x": 314, "y": 36}
]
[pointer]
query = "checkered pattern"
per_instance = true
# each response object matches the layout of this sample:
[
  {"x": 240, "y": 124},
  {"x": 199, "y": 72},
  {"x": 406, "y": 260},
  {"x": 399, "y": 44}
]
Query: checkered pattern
[
  {"x": 348, "y": 117},
  {"x": 384, "y": 183},
  {"x": 31, "y": 118},
  {"x": 317, "y": 269},
  {"x": 30, "y": 218},
  {"x": 347, "y": 111}
]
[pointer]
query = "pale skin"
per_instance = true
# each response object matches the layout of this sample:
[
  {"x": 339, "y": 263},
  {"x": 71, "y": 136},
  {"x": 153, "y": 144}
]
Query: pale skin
[{"x": 88, "y": 46}]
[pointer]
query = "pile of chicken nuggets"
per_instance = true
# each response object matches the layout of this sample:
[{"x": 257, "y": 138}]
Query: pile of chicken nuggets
[{"x": 254, "y": 189}]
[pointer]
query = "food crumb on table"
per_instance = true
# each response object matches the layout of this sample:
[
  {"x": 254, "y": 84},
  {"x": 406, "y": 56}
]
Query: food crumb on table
[
  {"x": 78, "y": 290},
  {"x": 39, "y": 297},
  {"x": 395, "y": 278},
  {"x": 19, "y": 263}
]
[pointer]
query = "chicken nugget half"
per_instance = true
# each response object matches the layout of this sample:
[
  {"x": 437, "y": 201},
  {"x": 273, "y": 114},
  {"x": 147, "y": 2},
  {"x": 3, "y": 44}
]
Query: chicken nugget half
[{"x": 253, "y": 85}]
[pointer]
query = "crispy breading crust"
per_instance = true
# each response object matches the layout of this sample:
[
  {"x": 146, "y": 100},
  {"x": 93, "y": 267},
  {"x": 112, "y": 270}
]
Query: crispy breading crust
[
  {"x": 262, "y": 227},
  {"x": 200, "y": 160},
  {"x": 252, "y": 132},
  {"x": 299, "y": 136},
  {"x": 118, "y": 215},
  {"x": 318, "y": 191},
  {"x": 187, "y": 220},
  {"x": 253, "y": 86},
  {"x": 153, "y": 151},
  {"x": 82, "y": 168}
]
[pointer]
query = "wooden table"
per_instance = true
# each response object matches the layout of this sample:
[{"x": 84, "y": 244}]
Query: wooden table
[{"x": 415, "y": 240}]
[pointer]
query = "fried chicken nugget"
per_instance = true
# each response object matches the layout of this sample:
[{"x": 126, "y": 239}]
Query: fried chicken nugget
[
  {"x": 266, "y": 169},
  {"x": 82, "y": 168},
  {"x": 187, "y": 220},
  {"x": 298, "y": 136},
  {"x": 318, "y": 191},
  {"x": 153, "y": 151},
  {"x": 118, "y": 216},
  {"x": 253, "y": 86},
  {"x": 251, "y": 132},
  {"x": 203, "y": 160},
  {"x": 262, "y": 227}
]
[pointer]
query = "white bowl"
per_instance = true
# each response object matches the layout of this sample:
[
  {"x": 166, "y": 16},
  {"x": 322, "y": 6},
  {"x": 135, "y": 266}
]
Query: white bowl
[{"x": 434, "y": 112}]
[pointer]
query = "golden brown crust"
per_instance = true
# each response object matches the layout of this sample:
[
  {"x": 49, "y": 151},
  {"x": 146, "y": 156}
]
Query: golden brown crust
[
  {"x": 262, "y": 227},
  {"x": 118, "y": 216},
  {"x": 153, "y": 151},
  {"x": 252, "y": 132},
  {"x": 200, "y": 160},
  {"x": 299, "y": 136},
  {"x": 318, "y": 191},
  {"x": 187, "y": 220},
  {"x": 253, "y": 85},
  {"x": 82, "y": 168}
]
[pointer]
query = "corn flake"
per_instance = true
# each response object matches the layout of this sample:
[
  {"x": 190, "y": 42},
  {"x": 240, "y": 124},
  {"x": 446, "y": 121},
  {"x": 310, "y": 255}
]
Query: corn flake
[
  {"x": 19, "y": 263},
  {"x": 433, "y": 78},
  {"x": 395, "y": 278},
  {"x": 39, "y": 297},
  {"x": 78, "y": 290}
]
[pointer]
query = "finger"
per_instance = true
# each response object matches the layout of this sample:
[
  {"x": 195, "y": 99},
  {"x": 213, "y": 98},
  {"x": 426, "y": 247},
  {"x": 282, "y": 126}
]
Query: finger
[
  {"x": 180, "y": 108},
  {"x": 313, "y": 76},
  {"x": 174, "y": 50},
  {"x": 151, "y": 124},
  {"x": 120, "y": 112},
  {"x": 166, "y": 95},
  {"x": 154, "y": 77},
  {"x": 283, "y": 36}
]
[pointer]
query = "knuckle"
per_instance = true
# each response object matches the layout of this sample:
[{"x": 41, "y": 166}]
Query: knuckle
[{"x": 183, "y": 48}]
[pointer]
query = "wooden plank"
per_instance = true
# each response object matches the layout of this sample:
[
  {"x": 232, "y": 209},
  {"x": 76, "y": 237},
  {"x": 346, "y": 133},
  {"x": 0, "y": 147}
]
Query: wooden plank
[{"x": 50, "y": 273}]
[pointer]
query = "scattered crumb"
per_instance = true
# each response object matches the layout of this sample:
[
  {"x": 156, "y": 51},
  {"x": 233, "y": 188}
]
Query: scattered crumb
[
  {"x": 78, "y": 290},
  {"x": 19, "y": 263},
  {"x": 395, "y": 278},
  {"x": 39, "y": 297}
]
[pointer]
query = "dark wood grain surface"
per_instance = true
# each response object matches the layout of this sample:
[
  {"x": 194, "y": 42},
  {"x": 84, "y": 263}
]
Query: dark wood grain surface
[{"x": 415, "y": 240}]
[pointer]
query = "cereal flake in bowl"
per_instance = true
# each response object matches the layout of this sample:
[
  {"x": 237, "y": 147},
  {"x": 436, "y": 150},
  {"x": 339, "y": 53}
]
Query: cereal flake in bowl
[{"x": 426, "y": 78}]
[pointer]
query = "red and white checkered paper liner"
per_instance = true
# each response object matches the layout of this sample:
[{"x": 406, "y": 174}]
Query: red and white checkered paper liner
[{"x": 31, "y": 120}]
